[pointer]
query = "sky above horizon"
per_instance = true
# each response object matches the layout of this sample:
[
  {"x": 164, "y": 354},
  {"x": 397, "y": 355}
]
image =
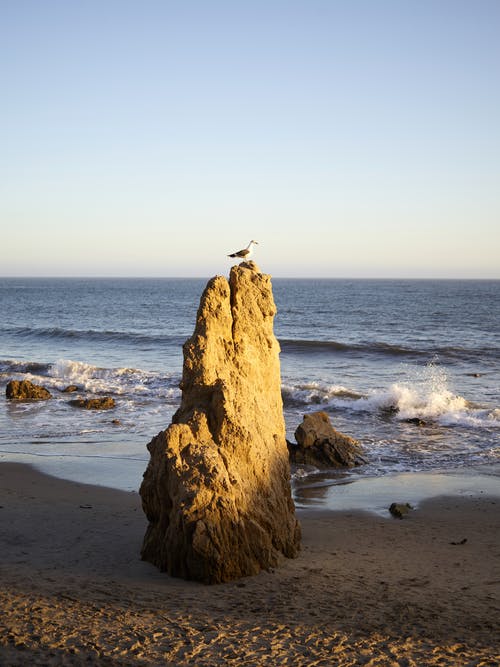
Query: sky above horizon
[{"x": 350, "y": 138}]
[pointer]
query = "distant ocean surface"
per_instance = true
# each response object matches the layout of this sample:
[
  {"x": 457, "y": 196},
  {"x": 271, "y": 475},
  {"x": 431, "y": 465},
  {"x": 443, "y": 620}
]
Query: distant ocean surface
[{"x": 354, "y": 348}]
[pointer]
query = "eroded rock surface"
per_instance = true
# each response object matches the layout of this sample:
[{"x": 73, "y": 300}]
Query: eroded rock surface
[
  {"x": 70, "y": 389},
  {"x": 319, "y": 444},
  {"x": 101, "y": 403},
  {"x": 24, "y": 390},
  {"x": 216, "y": 491},
  {"x": 399, "y": 510}
]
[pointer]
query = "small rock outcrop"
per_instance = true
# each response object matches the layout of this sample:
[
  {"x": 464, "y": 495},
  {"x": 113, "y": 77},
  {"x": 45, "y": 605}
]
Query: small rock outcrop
[
  {"x": 416, "y": 421},
  {"x": 399, "y": 510},
  {"x": 70, "y": 389},
  {"x": 103, "y": 403},
  {"x": 216, "y": 491},
  {"x": 320, "y": 445},
  {"x": 24, "y": 390}
]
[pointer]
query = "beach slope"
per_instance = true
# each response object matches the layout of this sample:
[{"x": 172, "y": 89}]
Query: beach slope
[{"x": 365, "y": 590}]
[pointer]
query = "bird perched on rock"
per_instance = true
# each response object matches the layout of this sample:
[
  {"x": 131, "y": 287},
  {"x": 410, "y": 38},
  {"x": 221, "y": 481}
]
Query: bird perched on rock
[{"x": 246, "y": 252}]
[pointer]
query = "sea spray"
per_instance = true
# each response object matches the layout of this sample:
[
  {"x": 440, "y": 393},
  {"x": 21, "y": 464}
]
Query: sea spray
[
  {"x": 423, "y": 394},
  {"x": 130, "y": 382}
]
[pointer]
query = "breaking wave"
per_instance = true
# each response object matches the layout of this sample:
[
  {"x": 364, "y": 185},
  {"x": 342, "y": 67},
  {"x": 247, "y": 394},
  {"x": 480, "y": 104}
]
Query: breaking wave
[
  {"x": 314, "y": 393},
  {"x": 118, "y": 381},
  {"x": 425, "y": 396}
]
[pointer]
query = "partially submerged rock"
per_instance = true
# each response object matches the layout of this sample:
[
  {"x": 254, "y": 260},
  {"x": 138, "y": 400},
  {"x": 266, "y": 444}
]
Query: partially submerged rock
[
  {"x": 319, "y": 444},
  {"x": 399, "y": 510},
  {"x": 70, "y": 389},
  {"x": 24, "y": 390},
  {"x": 416, "y": 421},
  {"x": 217, "y": 490},
  {"x": 102, "y": 403}
]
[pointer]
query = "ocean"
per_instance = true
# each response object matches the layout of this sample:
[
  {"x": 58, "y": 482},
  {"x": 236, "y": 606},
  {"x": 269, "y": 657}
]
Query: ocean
[{"x": 371, "y": 353}]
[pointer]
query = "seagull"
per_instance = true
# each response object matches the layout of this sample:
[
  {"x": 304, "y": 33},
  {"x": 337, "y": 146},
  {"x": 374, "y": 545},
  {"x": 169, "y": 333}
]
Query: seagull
[{"x": 246, "y": 252}]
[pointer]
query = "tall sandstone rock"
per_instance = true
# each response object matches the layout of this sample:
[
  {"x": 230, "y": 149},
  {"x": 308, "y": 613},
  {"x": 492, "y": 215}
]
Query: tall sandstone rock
[{"x": 216, "y": 491}]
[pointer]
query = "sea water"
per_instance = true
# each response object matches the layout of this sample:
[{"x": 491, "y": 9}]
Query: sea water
[{"x": 371, "y": 353}]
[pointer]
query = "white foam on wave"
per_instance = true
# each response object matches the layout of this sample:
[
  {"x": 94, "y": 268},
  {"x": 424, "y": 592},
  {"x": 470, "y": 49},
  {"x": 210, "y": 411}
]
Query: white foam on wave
[
  {"x": 316, "y": 393},
  {"x": 425, "y": 394},
  {"x": 416, "y": 401},
  {"x": 301, "y": 472},
  {"x": 97, "y": 380},
  {"x": 118, "y": 381}
]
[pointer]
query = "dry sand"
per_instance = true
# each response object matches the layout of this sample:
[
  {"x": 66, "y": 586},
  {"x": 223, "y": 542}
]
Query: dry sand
[{"x": 365, "y": 590}]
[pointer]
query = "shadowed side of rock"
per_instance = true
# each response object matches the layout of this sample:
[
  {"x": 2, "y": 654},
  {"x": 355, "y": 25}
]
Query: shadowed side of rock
[
  {"x": 320, "y": 445},
  {"x": 217, "y": 488}
]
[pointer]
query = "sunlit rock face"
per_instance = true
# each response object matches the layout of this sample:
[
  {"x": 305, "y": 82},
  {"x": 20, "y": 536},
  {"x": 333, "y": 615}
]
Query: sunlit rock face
[
  {"x": 216, "y": 491},
  {"x": 320, "y": 445},
  {"x": 24, "y": 390}
]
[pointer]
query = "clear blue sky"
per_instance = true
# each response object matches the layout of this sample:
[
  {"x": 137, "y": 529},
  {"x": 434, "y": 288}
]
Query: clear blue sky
[{"x": 356, "y": 138}]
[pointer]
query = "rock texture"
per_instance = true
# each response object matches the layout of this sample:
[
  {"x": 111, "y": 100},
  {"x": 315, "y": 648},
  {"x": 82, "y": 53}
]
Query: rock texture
[
  {"x": 399, "y": 510},
  {"x": 102, "y": 403},
  {"x": 70, "y": 389},
  {"x": 319, "y": 444},
  {"x": 24, "y": 390},
  {"x": 216, "y": 490}
]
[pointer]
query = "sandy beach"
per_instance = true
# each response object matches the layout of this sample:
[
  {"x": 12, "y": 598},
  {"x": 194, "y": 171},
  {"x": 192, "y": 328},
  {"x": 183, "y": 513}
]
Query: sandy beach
[{"x": 365, "y": 590}]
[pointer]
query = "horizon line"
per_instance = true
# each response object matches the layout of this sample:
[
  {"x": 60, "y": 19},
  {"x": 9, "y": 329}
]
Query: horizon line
[{"x": 207, "y": 277}]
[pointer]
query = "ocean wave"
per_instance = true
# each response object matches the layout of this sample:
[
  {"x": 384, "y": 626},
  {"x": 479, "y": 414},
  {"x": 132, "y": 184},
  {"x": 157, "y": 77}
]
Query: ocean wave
[
  {"x": 127, "y": 382},
  {"x": 113, "y": 380},
  {"x": 13, "y": 366},
  {"x": 379, "y": 348},
  {"x": 46, "y": 333},
  {"x": 288, "y": 345},
  {"x": 314, "y": 393},
  {"x": 425, "y": 396}
]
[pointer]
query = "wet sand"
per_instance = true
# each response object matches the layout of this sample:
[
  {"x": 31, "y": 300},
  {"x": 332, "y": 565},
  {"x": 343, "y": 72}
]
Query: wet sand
[
  {"x": 365, "y": 590},
  {"x": 346, "y": 492}
]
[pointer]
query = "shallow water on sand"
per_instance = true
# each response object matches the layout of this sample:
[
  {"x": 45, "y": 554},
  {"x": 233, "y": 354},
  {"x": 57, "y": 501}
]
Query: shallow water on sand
[{"x": 376, "y": 494}]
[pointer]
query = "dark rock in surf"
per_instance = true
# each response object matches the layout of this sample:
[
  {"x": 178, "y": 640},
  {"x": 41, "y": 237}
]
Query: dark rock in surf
[
  {"x": 416, "y": 420},
  {"x": 390, "y": 409},
  {"x": 320, "y": 445},
  {"x": 70, "y": 389},
  {"x": 104, "y": 403},
  {"x": 399, "y": 510},
  {"x": 24, "y": 390}
]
